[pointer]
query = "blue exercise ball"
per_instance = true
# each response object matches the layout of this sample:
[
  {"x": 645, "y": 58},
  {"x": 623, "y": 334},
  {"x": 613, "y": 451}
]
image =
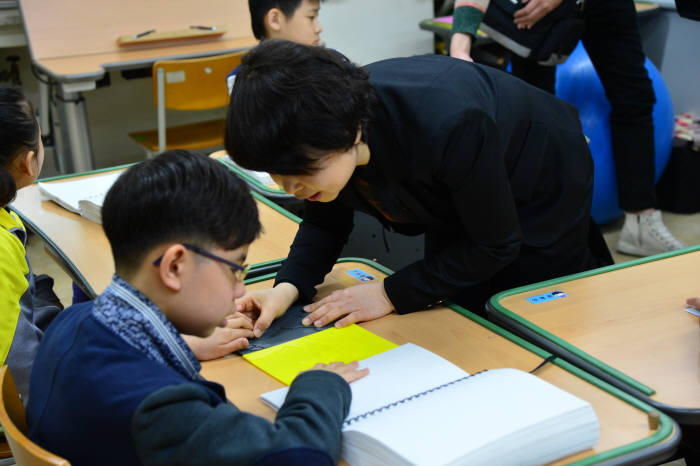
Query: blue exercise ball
[{"x": 578, "y": 83}]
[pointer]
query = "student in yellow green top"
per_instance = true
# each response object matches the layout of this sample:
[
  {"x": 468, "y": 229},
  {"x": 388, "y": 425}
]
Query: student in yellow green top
[{"x": 27, "y": 301}]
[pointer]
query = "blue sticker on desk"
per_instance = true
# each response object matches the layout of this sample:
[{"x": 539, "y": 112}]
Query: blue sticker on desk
[
  {"x": 361, "y": 275},
  {"x": 541, "y": 298}
]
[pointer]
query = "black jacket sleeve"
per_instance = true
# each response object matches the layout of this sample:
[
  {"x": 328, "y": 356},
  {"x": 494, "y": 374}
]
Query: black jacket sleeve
[
  {"x": 317, "y": 245},
  {"x": 486, "y": 235},
  {"x": 179, "y": 425}
]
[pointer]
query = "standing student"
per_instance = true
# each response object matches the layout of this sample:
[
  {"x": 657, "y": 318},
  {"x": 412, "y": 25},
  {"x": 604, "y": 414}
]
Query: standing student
[
  {"x": 611, "y": 38},
  {"x": 114, "y": 383},
  {"x": 294, "y": 20},
  {"x": 27, "y": 301},
  {"x": 496, "y": 173}
]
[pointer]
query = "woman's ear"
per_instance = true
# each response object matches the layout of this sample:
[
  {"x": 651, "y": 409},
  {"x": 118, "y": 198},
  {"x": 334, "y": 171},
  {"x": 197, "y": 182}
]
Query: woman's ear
[
  {"x": 172, "y": 267},
  {"x": 358, "y": 137},
  {"x": 274, "y": 20}
]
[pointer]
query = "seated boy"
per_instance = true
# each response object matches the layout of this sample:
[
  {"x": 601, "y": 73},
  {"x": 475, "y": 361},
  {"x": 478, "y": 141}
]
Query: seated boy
[
  {"x": 294, "y": 20},
  {"x": 113, "y": 381}
]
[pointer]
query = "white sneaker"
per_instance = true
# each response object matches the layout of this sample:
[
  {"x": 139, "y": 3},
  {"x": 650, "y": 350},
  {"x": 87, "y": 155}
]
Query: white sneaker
[{"x": 646, "y": 234}]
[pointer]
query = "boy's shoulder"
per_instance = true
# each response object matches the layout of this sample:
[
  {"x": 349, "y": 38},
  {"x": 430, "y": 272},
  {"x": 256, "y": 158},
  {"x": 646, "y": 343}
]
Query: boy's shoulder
[{"x": 79, "y": 352}]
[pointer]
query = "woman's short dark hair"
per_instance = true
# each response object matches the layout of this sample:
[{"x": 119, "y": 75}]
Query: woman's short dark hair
[
  {"x": 259, "y": 8},
  {"x": 178, "y": 196},
  {"x": 19, "y": 133},
  {"x": 291, "y": 104}
]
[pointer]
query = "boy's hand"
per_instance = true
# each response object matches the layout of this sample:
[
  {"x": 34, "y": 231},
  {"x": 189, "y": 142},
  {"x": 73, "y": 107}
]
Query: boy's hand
[
  {"x": 349, "y": 372},
  {"x": 264, "y": 306},
  {"x": 695, "y": 302},
  {"x": 461, "y": 46},
  {"x": 535, "y": 10},
  {"x": 358, "y": 303},
  {"x": 224, "y": 340}
]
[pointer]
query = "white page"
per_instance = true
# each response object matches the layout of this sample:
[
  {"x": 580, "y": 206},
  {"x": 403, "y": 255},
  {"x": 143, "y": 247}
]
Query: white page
[
  {"x": 394, "y": 374},
  {"x": 68, "y": 193},
  {"x": 440, "y": 427}
]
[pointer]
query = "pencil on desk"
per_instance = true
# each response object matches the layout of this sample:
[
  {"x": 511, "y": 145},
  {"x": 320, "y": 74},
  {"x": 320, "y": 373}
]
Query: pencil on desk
[{"x": 144, "y": 33}]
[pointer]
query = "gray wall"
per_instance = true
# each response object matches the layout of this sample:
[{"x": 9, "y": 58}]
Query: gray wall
[{"x": 672, "y": 43}]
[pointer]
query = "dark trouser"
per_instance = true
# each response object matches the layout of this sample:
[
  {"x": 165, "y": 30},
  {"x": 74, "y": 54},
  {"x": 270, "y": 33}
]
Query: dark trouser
[
  {"x": 569, "y": 255},
  {"x": 611, "y": 38}
]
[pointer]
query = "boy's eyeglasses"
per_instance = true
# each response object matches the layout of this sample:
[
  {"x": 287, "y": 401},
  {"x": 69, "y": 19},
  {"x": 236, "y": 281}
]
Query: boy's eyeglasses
[{"x": 239, "y": 271}]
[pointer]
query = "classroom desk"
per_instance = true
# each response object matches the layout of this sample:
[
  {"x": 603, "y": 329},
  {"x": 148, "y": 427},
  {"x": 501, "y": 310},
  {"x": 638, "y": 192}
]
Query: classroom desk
[
  {"x": 625, "y": 324},
  {"x": 81, "y": 246},
  {"x": 267, "y": 188},
  {"x": 474, "y": 344},
  {"x": 74, "y": 42}
]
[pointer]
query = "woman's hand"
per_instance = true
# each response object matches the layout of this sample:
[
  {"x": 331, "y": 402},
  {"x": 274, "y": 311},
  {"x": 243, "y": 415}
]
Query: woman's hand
[
  {"x": 358, "y": 303},
  {"x": 461, "y": 46},
  {"x": 533, "y": 11},
  {"x": 264, "y": 306}
]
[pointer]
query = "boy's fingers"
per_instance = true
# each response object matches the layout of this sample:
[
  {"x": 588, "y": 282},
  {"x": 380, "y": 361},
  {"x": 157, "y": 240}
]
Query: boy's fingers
[
  {"x": 240, "y": 321},
  {"x": 355, "y": 375},
  {"x": 237, "y": 344}
]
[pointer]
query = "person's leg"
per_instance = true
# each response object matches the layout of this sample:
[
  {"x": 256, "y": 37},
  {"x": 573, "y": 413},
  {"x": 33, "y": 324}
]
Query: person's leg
[
  {"x": 583, "y": 248},
  {"x": 611, "y": 38},
  {"x": 533, "y": 73}
]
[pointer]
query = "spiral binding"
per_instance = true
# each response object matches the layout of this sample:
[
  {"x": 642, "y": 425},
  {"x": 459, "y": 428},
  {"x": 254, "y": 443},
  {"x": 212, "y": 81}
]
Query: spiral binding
[{"x": 359, "y": 417}]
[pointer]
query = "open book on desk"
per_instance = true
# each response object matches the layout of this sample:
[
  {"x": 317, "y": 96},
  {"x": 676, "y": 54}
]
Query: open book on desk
[
  {"x": 83, "y": 196},
  {"x": 415, "y": 407}
]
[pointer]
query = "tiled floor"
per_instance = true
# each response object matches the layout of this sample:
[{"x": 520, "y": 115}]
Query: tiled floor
[{"x": 685, "y": 227}]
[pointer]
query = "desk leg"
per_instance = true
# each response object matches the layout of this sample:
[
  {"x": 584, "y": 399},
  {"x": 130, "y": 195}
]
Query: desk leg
[{"x": 74, "y": 127}]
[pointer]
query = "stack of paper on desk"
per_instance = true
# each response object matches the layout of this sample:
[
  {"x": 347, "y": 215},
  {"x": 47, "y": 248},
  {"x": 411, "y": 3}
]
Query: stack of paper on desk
[
  {"x": 418, "y": 408},
  {"x": 83, "y": 196}
]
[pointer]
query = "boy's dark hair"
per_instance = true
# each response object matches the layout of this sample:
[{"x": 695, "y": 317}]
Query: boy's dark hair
[
  {"x": 291, "y": 104},
  {"x": 178, "y": 196},
  {"x": 259, "y": 8},
  {"x": 19, "y": 133}
]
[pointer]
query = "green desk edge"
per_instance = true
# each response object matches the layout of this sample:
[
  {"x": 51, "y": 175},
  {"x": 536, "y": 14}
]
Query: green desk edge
[
  {"x": 521, "y": 321},
  {"x": 666, "y": 427},
  {"x": 77, "y": 275},
  {"x": 254, "y": 183}
]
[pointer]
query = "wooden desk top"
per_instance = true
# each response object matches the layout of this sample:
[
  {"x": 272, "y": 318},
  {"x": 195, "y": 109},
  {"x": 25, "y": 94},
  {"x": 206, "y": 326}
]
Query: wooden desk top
[
  {"x": 629, "y": 317},
  {"x": 75, "y": 39},
  {"x": 93, "y": 67},
  {"x": 460, "y": 340},
  {"x": 271, "y": 190},
  {"x": 85, "y": 245}
]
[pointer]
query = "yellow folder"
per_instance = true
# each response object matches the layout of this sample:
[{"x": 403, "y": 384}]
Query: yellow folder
[{"x": 347, "y": 344}]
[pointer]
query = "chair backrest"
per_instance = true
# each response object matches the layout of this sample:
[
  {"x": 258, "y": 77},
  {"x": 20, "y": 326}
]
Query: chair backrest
[
  {"x": 195, "y": 83},
  {"x": 14, "y": 422}
]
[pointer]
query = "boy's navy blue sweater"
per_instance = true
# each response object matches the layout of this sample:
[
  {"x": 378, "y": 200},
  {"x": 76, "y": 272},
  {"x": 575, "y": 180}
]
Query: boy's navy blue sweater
[{"x": 97, "y": 400}]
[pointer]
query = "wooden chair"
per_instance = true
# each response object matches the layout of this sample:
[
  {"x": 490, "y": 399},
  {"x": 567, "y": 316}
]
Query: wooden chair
[
  {"x": 14, "y": 422},
  {"x": 188, "y": 84}
]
